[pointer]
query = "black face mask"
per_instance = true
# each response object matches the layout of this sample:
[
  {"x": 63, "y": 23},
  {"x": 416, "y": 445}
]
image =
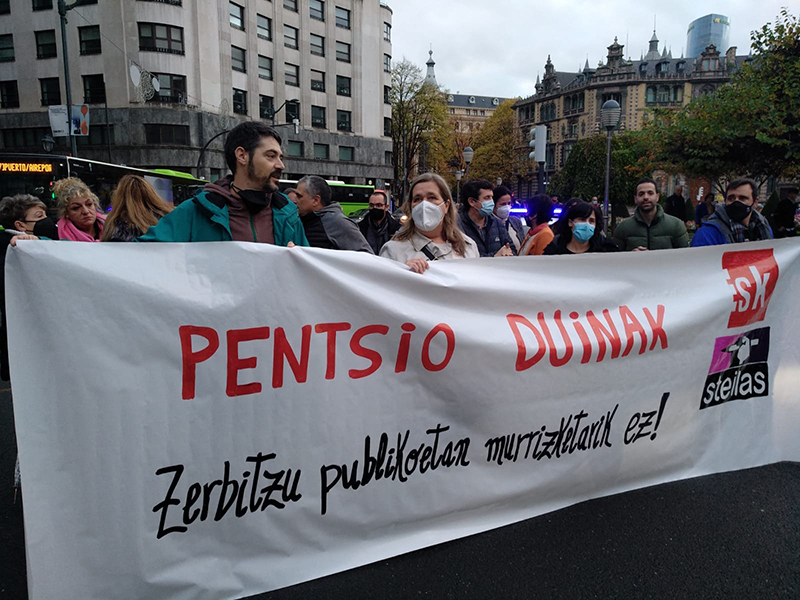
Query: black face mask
[
  {"x": 46, "y": 228},
  {"x": 254, "y": 200},
  {"x": 738, "y": 211},
  {"x": 376, "y": 214}
]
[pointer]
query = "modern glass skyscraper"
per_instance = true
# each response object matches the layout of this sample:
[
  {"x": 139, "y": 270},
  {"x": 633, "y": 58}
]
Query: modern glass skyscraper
[{"x": 711, "y": 29}]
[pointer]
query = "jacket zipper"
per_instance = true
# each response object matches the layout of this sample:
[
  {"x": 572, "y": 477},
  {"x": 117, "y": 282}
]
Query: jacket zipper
[{"x": 253, "y": 229}]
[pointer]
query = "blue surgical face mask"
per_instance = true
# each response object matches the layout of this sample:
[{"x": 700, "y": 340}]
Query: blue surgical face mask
[
  {"x": 487, "y": 208},
  {"x": 583, "y": 232}
]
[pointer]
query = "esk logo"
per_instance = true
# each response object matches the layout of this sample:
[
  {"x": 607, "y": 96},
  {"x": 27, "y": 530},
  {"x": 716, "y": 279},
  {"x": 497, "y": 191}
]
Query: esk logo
[{"x": 752, "y": 274}]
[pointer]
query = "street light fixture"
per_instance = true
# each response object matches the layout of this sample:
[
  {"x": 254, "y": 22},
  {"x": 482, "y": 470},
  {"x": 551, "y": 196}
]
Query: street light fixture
[
  {"x": 48, "y": 143},
  {"x": 609, "y": 116},
  {"x": 459, "y": 175},
  {"x": 468, "y": 154},
  {"x": 499, "y": 181},
  {"x": 275, "y": 112}
]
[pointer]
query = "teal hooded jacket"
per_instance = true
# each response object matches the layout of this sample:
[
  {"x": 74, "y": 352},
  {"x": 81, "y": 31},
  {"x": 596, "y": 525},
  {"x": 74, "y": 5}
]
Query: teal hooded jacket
[{"x": 205, "y": 218}]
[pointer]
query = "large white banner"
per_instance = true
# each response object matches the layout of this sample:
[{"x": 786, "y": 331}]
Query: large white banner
[{"x": 219, "y": 420}]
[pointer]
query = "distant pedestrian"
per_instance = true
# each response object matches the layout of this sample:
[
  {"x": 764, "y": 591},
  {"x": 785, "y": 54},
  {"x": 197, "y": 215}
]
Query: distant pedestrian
[
  {"x": 736, "y": 220},
  {"x": 135, "y": 208},
  {"x": 540, "y": 234},
  {"x": 502, "y": 210},
  {"x": 704, "y": 210},
  {"x": 323, "y": 219},
  {"x": 431, "y": 232},
  {"x": 478, "y": 222},
  {"x": 379, "y": 226},
  {"x": 675, "y": 205},
  {"x": 582, "y": 233},
  {"x": 81, "y": 219},
  {"x": 650, "y": 228}
]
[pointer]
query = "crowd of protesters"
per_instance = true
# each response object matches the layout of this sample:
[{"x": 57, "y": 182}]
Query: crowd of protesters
[{"x": 247, "y": 206}]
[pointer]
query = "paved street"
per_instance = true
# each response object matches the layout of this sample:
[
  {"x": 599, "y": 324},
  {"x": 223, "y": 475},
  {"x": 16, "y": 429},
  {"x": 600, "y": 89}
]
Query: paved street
[{"x": 734, "y": 535}]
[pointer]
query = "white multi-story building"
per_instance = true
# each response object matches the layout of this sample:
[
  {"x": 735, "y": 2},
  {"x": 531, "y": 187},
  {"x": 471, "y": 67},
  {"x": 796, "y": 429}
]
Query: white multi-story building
[{"x": 325, "y": 63}]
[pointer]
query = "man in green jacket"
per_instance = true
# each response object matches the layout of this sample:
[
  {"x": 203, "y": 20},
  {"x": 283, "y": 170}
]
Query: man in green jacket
[
  {"x": 245, "y": 206},
  {"x": 650, "y": 228}
]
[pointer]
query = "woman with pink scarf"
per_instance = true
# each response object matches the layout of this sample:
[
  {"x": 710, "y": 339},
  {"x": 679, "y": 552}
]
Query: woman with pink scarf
[{"x": 79, "y": 209}]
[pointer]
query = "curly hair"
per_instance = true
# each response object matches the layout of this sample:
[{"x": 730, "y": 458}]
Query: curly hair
[{"x": 66, "y": 190}]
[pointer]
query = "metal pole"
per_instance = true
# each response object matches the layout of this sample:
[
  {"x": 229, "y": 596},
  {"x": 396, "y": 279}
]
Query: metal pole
[
  {"x": 608, "y": 172},
  {"x": 62, "y": 11},
  {"x": 108, "y": 131},
  {"x": 202, "y": 152},
  {"x": 540, "y": 179}
]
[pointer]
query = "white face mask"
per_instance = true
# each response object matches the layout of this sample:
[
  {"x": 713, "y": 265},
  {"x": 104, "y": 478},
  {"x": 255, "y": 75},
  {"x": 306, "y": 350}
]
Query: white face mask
[
  {"x": 427, "y": 215},
  {"x": 503, "y": 211}
]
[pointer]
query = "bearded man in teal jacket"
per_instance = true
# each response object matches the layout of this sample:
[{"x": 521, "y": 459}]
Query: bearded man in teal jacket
[{"x": 245, "y": 206}]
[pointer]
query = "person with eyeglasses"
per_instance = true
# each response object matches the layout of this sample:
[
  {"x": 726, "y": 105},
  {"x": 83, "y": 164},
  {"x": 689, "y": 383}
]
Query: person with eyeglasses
[
  {"x": 379, "y": 225},
  {"x": 431, "y": 231}
]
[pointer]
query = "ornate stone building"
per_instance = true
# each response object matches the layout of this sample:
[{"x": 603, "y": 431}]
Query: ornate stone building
[{"x": 569, "y": 103}]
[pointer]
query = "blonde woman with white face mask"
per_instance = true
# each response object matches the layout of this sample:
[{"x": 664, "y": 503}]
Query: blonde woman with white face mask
[{"x": 431, "y": 232}]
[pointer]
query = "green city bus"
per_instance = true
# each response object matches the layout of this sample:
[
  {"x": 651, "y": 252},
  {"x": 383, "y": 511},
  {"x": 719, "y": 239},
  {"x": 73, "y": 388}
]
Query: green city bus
[{"x": 352, "y": 197}]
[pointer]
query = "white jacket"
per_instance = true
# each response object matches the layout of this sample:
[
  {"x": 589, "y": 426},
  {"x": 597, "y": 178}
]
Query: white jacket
[{"x": 405, "y": 251}]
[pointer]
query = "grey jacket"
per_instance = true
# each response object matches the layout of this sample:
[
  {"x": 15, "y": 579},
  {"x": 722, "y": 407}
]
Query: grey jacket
[{"x": 341, "y": 231}]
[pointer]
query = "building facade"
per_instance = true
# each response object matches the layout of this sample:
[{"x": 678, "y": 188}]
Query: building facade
[
  {"x": 163, "y": 77},
  {"x": 569, "y": 103},
  {"x": 705, "y": 31}
]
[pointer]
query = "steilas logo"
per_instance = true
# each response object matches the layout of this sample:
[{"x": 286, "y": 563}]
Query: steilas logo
[{"x": 753, "y": 275}]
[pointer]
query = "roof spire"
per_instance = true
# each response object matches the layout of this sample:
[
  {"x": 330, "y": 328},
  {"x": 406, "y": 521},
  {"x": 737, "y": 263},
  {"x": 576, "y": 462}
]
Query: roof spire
[{"x": 430, "y": 76}]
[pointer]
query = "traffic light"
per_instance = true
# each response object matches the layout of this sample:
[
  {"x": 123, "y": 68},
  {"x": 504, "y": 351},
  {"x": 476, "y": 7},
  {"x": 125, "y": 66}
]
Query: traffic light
[{"x": 538, "y": 143}]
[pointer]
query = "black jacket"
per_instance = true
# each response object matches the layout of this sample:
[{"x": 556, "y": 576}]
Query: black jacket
[
  {"x": 375, "y": 237},
  {"x": 490, "y": 239}
]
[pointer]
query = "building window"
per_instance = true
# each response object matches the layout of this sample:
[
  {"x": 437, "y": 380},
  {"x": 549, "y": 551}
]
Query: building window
[
  {"x": 651, "y": 95},
  {"x": 483, "y": 113},
  {"x": 292, "y": 75},
  {"x": 342, "y": 18},
  {"x": 387, "y": 63},
  {"x": 7, "y": 47},
  {"x": 9, "y": 94},
  {"x": 322, "y": 151},
  {"x": 452, "y": 111},
  {"x": 387, "y": 95},
  {"x": 343, "y": 52},
  {"x": 237, "y": 16},
  {"x": 46, "y": 44},
  {"x": 177, "y": 135},
  {"x": 663, "y": 94},
  {"x": 42, "y": 4},
  {"x": 239, "y": 101},
  {"x": 387, "y": 32},
  {"x": 387, "y": 126},
  {"x": 317, "y": 44},
  {"x": 317, "y": 80},
  {"x": 171, "y": 88},
  {"x": 266, "y": 107},
  {"x": 90, "y": 39},
  {"x": 99, "y": 135},
  {"x": 290, "y": 5},
  {"x": 295, "y": 149},
  {"x": 5, "y": 7},
  {"x": 343, "y": 120},
  {"x": 51, "y": 91},
  {"x": 264, "y": 67},
  {"x": 290, "y": 35},
  {"x": 388, "y": 158},
  {"x": 173, "y": 2},
  {"x": 292, "y": 111},
  {"x": 154, "y": 37},
  {"x": 264, "y": 25},
  {"x": 346, "y": 153},
  {"x": 342, "y": 85},
  {"x": 316, "y": 9},
  {"x": 238, "y": 59},
  {"x": 318, "y": 116},
  {"x": 94, "y": 89}
]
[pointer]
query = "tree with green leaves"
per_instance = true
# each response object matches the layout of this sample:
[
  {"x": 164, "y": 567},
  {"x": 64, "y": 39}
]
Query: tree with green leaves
[
  {"x": 419, "y": 112},
  {"x": 497, "y": 146},
  {"x": 749, "y": 127}
]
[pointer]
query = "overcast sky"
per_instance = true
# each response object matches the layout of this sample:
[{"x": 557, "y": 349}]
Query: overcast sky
[{"x": 496, "y": 47}]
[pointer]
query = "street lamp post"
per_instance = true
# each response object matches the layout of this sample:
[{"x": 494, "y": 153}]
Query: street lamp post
[
  {"x": 63, "y": 7},
  {"x": 609, "y": 115},
  {"x": 468, "y": 154},
  {"x": 459, "y": 175},
  {"x": 275, "y": 112}
]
